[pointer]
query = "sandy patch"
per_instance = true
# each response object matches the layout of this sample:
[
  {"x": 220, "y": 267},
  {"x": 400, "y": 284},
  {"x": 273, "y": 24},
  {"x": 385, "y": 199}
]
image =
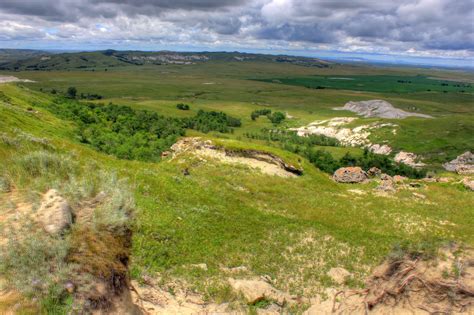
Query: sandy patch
[{"x": 7, "y": 79}]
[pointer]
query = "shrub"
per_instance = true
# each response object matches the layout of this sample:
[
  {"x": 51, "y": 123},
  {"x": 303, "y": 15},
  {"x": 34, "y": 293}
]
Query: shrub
[
  {"x": 260, "y": 112},
  {"x": 5, "y": 184},
  {"x": 276, "y": 118},
  {"x": 33, "y": 263},
  {"x": 182, "y": 106},
  {"x": 71, "y": 92},
  {"x": 44, "y": 163}
]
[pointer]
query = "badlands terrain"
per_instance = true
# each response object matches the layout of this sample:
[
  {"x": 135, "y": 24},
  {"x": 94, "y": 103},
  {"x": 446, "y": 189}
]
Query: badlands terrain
[{"x": 194, "y": 183}]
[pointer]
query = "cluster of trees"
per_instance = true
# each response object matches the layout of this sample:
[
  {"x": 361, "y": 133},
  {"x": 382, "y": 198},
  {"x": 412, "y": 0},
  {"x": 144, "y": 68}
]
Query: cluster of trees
[
  {"x": 276, "y": 117},
  {"x": 212, "y": 121},
  {"x": 260, "y": 112},
  {"x": 71, "y": 93},
  {"x": 290, "y": 140},
  {"x": 120, "y": 130},
  {"x": 182, "y": 106},
  {"x": 134, "y": 134},
  {"x": 90, "y": 96},
  {"x": 305, "y": 146}
]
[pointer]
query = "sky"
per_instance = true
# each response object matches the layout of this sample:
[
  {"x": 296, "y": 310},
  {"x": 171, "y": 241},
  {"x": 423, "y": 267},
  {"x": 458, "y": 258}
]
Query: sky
[{"x": 439, "y": 32}]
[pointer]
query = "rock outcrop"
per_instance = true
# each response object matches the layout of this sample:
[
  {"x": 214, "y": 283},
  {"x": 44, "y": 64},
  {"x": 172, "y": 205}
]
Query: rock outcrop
[
  {"x": 408, "y": 158},
  {"x": 468, "y": 183},
  {"x": 463, "y": 164},
  {"x": 380, "y": 149},
  {"x": 54, "y": 213},
  {"x": 378, "y": 108},
  {"x": 350, "y": 175},
  {"x": 266, "y": 162},
  {"x": 374, "y": 172}
]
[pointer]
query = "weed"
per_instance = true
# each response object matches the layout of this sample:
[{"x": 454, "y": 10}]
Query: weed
[{"x": 33, "y": 263}]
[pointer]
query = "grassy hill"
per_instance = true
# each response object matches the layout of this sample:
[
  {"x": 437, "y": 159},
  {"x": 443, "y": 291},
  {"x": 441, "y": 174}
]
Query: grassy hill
[
  {"x": 102, "y": 60},
  {"x": 291, "y": 229}
]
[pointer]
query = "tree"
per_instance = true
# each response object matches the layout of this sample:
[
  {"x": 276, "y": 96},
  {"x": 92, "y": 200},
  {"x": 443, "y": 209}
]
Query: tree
[{"x": 71, "y": 92}]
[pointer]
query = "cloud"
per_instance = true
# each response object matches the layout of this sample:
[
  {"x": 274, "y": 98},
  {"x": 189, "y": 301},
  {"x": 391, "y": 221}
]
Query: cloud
[{"x": 418, "y": 27}]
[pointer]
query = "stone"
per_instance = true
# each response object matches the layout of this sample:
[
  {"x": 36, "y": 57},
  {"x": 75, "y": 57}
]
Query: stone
[
  {"x": 257, "y": 290},
  {"x": 54, "y": 213},
  {"x": 408, "y": 158},
  {"x": 374, "y": 172},
  {"x": 380, "y": 149},
  {"x": 350, "y": 175},
  {"x": 468, "y": 183},
  {"x": 338, "y": 275},
  {"x": 379, "y": 108},
  {"x": 463, "y": 164}
]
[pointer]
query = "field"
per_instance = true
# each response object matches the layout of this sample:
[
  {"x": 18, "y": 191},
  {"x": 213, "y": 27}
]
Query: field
[{"x": 291, "y": 229}]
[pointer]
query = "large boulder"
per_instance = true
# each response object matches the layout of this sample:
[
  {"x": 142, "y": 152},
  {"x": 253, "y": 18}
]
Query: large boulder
[
  {"x": 54, "y": 213},
  {"x": 350, "y": 175},
  {"x": 463, "y": 164}
]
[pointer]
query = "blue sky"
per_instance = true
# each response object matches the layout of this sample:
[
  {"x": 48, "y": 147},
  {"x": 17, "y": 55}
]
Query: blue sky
[{"x": 426, "y": 32}]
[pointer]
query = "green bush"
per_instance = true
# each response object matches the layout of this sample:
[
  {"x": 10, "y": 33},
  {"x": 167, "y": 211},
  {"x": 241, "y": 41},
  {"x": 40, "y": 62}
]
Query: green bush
[
  {"x": 212, "y": 121},
  {"x": 182, "y": 106},
  {"x": 276, "y": 118},
  {"x": 260, "y": 112}
]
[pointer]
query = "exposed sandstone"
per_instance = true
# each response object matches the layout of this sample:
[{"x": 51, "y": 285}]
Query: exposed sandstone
[{"x": 350, "y": 175}]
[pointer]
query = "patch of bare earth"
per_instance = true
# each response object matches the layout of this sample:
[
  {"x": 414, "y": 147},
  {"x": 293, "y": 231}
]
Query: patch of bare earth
[
  {"x": 264, "y": 162},
  {"x": 410, "y": 285}
]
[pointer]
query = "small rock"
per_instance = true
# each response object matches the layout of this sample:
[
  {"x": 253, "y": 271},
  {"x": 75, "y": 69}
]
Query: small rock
[
  {"x": 165, "y": 154},
  {"x": 186, "y": 172},
  {"x": 463, "y": 164},
  {"x": 374, "y": 172},
  {"x": 338, "y": 275},
  {"x": 257, "y": 290},
  {"x": 468, "y": 183},
  {"x": 385, "y": 177},
  {"x": 54, "y": 212},
  {"x": 350, "y": 175}
]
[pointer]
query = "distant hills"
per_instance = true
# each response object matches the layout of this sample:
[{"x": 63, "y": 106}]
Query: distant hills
[
  {"x": 9, "y": 55},
  {"x": 21, "y": 60}
]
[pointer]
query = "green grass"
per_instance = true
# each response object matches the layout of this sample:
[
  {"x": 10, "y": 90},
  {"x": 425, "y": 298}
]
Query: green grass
[
  {"x": 377, "y": 83},
  {"x": 293, "y": 229},
  {"x": 160, "y": 88}
]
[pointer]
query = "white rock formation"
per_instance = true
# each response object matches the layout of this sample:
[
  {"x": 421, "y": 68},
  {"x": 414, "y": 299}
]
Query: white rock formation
[{"x": 378, "y": 108}]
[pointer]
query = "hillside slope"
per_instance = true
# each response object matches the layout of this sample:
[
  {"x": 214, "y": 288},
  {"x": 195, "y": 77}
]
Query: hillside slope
[{"x": 196, "y": 218}]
